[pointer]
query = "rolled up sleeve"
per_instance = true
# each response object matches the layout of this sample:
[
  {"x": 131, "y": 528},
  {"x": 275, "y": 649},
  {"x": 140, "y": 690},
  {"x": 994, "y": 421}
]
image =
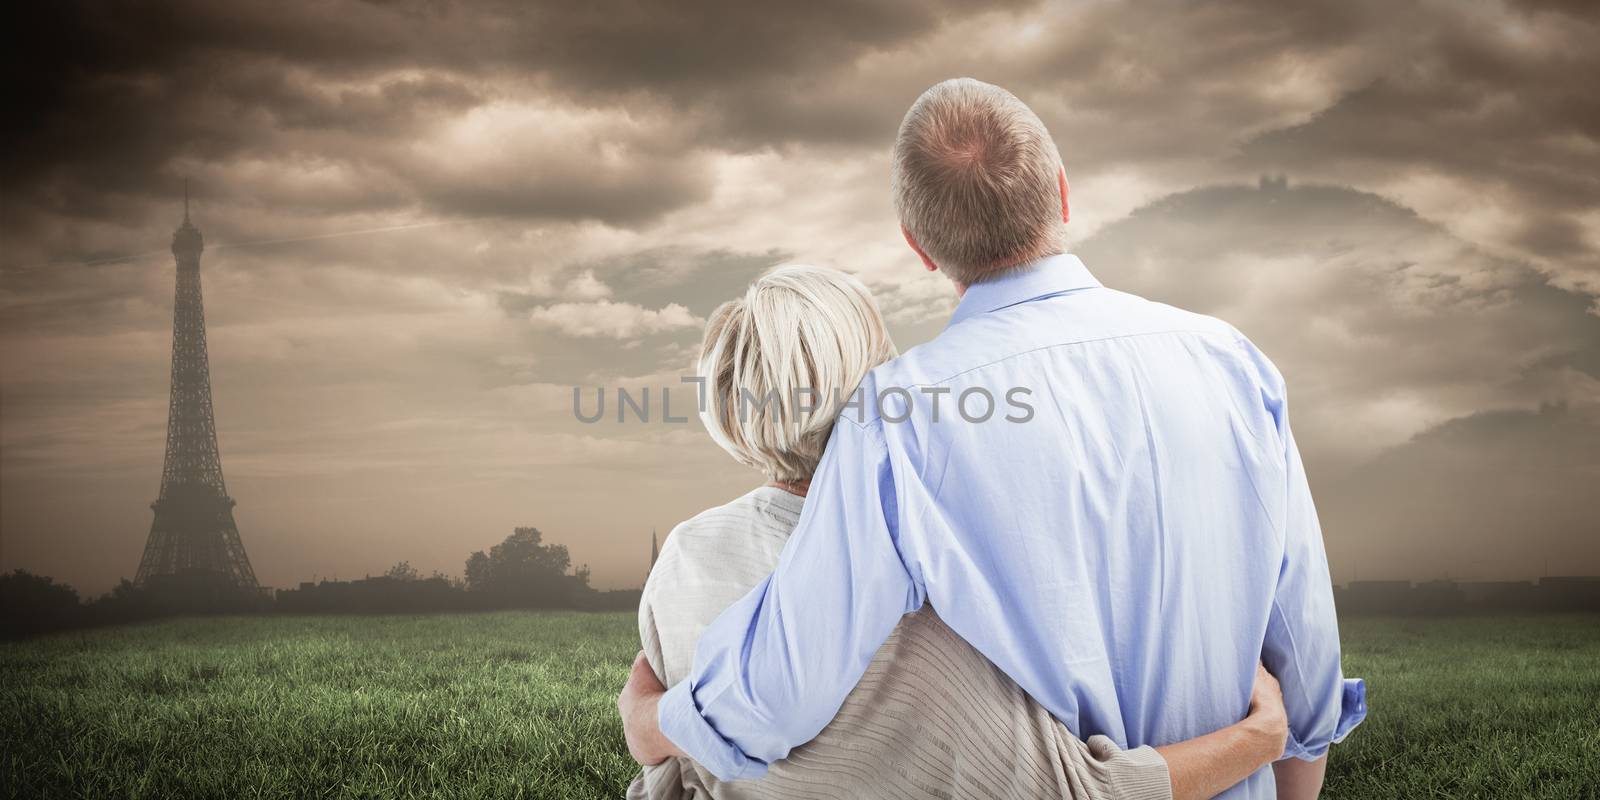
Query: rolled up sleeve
[{"x": 1302, "y": 642}]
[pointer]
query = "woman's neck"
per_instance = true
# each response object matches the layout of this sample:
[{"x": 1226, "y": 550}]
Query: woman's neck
[{"x": 792, "y": 487}]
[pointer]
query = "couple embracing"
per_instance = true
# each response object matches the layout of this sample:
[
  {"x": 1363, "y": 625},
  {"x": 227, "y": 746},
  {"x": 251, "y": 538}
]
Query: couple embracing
[{"x": 1122, "y": 593}]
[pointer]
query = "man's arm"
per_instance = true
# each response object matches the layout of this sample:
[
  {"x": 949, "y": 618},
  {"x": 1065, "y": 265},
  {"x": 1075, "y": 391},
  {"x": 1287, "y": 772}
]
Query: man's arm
[
  {"x": 773, "y": 669},
  {"x": 1300, "y": 780},
  {"x": 1302, "y": 637}
]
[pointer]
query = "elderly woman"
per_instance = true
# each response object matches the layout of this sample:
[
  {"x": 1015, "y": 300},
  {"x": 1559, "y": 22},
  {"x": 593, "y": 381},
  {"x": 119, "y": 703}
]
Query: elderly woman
[{"x": 931, "y": 717}]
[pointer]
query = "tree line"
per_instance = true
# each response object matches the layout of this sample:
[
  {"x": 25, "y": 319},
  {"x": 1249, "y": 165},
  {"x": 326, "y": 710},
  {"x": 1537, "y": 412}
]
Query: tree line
[{"x": 523, "y": 571}]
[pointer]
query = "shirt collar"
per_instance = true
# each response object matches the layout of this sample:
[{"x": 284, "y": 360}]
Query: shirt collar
[{"x": 1049, "y": 276}]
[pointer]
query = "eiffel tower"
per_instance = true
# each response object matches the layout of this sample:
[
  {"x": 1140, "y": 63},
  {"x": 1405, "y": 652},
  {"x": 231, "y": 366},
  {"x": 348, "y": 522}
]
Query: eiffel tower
[{"x": 193, "y": 533}]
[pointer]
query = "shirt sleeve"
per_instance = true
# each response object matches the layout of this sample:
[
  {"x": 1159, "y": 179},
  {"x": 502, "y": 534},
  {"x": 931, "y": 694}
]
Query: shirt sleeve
[
  {"x": 775, "y": 667},
  {"x": 1302, "y": 640}
]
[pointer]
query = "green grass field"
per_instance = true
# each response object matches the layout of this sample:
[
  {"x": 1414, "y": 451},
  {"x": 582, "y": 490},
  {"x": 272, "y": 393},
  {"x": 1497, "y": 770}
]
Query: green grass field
[{"x": 521, "y": 704}]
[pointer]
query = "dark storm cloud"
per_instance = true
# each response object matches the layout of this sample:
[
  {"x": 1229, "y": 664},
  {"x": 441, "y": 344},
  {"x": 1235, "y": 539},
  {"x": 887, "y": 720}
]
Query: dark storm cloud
[
  {"x": 1493, "y": 102},
  {"x": 116, "y": 101},
  {"x": 557, "y": 193},
  {"x": 1522, "y": 129},
  {"x": 104, "y": 99},
  {"x": 295, "y": 102},
  {"x": 1445, "y": 106}
]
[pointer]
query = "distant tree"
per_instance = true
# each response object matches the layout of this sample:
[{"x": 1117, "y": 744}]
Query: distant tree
[
  {"x": 125, "y": 590},
  {"x": 477, "y": 574},
  {"x": 524, "y": 571},
  {"x": 523, "y": 555},
  {"x": 32, "y": 603},
  {"x": 403, "y": 571},
  {"x": 125, "y": 602}
]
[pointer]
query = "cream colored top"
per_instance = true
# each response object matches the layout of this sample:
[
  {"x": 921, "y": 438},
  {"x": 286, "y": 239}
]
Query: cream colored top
[{"x": 932, "y": 718}]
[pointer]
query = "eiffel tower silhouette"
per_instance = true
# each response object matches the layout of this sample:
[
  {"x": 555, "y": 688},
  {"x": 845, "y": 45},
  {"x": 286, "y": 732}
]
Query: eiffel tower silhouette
[{"x": 193, "y": 533}]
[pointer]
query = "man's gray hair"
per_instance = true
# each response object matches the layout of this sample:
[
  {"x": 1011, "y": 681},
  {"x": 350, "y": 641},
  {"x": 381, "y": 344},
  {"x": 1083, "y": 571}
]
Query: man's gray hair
[{"x": 976, "y": 180}]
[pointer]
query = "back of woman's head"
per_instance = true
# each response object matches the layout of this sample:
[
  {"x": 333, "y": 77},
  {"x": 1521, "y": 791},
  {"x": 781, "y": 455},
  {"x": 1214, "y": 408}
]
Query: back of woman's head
[{"x": 779, "y": 362}]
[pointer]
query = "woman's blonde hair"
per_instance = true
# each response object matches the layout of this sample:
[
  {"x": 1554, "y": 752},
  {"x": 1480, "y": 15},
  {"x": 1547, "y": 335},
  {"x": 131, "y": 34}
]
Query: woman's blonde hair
[{"x": 780, "y": 362}]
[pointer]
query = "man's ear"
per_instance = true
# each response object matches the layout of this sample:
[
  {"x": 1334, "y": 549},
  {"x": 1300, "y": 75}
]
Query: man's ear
[
  {"x": 916, "y": 248},
  {"x": 1066, "y": 209}
]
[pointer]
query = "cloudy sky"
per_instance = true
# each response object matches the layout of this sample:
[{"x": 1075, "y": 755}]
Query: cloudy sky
[{"x": 426, "y": 223}]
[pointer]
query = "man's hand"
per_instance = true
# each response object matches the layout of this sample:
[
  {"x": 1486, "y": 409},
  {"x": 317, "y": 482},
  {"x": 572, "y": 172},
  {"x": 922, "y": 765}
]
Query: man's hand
[
  {"x": 1267, "y": 717},
  {"x": 637, "y": 705}
]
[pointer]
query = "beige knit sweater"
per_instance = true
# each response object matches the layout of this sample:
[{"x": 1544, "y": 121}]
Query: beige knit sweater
[{"x": 932, "y": 718}]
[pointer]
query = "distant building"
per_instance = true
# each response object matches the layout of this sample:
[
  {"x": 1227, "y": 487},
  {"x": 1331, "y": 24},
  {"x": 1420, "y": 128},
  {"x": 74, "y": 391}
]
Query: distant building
[
  {"x": 1578, "y": 593},
  {"x": 1373, "y": 597},
  {"x": 1570, "y": 593},
  {"x": 1436, "y": 597},
  {"x": 1499, "y": 596}
]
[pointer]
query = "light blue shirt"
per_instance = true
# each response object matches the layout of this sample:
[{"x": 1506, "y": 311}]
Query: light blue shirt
[{"x": 1125, "y": 534}]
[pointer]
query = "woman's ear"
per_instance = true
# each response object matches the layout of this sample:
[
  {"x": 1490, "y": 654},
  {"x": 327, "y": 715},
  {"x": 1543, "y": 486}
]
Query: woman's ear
[
  {"x": 1066, "y": 209},
  {"x": 911, "y": 240}
]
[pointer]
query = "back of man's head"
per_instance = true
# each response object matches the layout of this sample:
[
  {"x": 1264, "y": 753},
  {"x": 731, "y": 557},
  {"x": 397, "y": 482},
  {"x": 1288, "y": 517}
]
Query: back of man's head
[{"x": 976, "y": 180}]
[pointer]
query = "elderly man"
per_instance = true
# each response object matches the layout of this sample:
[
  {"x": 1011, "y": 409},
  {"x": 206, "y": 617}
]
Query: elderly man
[{"x": 1125, "y": 551}]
